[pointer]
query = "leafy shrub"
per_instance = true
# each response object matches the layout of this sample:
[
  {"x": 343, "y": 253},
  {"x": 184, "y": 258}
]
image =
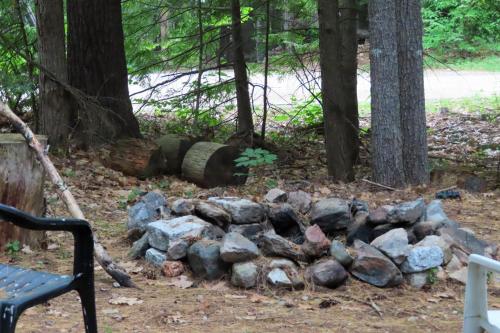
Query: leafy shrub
[{"x": 255, "y": 158}]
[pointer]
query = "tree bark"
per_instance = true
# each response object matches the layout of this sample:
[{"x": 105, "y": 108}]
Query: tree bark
[
  {"x": 338, "y": 74},
  {"x": 387, "y": 156},
  {"x": 245, "y": 119},
  {"x": 97, "y": 66},
  {"x": 411, "y": 91},
  {"x": 54, "y": 119}
]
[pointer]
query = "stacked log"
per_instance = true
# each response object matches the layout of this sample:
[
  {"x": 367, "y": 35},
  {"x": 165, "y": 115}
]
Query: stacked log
[{"x": 174, "y": 148}]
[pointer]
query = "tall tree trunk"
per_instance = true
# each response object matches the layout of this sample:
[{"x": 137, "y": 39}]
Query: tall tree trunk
[
  {"x": 245, "y": 120},
  {"x": 387, "y": 163},
  {"x": 411, "y": 91},
  {"x": 164, "y": 25},
  {"x": 339, "y": 98},
  {"x": 54, "y": 119},
  {"x": 266, "y": 69},
  {"x": 97, "y": 66}
]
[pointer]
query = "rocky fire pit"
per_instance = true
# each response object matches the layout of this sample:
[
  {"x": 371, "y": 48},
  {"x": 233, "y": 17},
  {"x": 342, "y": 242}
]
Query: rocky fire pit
[{"x": 288, "y": 241}]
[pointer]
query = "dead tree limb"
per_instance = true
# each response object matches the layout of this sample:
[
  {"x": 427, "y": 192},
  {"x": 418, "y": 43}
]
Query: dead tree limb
[{"x": 101, "y": 255}]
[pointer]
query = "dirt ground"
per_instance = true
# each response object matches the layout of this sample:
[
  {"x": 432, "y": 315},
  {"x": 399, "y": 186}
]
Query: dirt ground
[{"x": 216, "y": 307}]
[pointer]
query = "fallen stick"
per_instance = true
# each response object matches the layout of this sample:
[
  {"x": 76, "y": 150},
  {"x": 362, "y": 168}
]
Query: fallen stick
[
  {"x": 100, "y": 254},
  {"x": 380, "y": 185}
]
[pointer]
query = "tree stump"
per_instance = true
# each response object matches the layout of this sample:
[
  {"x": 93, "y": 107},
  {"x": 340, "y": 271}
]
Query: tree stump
[
  {"x": 210, "y": 164},
  {"x": 135, "y": 157},
  {"x": 21, "y": 186},
  {"x": 174, "y": 148}
]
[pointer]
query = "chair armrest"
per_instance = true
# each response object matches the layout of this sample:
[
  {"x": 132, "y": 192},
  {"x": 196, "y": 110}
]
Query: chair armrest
[
  {"x": 482, "y": 261},
  {"x": 82, "y": 233}
]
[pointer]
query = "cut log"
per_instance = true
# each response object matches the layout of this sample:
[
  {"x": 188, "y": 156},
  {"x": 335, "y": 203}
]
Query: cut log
[
  {"x": 135, "y": 157},
  {"x": 21, "y": 186},
  {"x": 210, "y": 164},
  {"x": 174, "y": 148}
]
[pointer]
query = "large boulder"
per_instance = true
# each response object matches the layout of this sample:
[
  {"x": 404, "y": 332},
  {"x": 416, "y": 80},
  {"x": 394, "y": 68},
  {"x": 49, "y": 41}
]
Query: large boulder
[
  {"x": 162, "y": 232},
  {"x": 183, "y": 207},
  {"x": 407, "y": 212},
  {"x": 379, "y": 215},
  {"x": 300, "y": 200},
  {"x": 286, "y": 223},
  {"x": 422, "y": 258},
  {"x": 242, "y": 211},
  {"x": 155, "y": 257},
  {"x": 212, "y": 213},
  {"x": 151, "y": 207},
  {"x": 331, "y": 214},
  {"x": 315, "y": 244},
  {"x": 359, "y": 229},
  {"x": 177, "y": 249},
  {"x": 326, "y": 273},
  {"x": 276, "y": 195},
  {"x": 467, "y": 241},
  {"x": 434, "y": 240},
  {"x": 274, "y": 245},
  {"x": 339, "y": 252},
  {"x": 236, "y": 248},
  {"x": 435, "y": 212},
  {"x": 205, "y": 261},
  {"x": 244, "y": 275},
  {"x": 371, "y": 266},
  {"x": 393, "y": 244},
  {"x": 251, "y": 231}
]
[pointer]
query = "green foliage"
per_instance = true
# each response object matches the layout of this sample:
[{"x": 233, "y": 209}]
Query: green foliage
[
  {"x": 432, "y": 276},
  {"x": 255, "y": 158},
  {"x": 13, "y": 247},
  {"x": 307, "y": 112}
]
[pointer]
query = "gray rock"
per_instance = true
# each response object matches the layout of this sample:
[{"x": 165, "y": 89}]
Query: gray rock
[
  {"x": 274, "y": 245},
  {"x": 278, "y": 278},
  {"x": 381, "y": 229},
  {"x": 244, "y": 275},
  {"x": 300, "y": 200},
  {"x": 162, "y": 232},
  {"x": 251, "y": 231},
  {"x": 435, "y": 212},
  {"x": 213, "y": 214},
  {"x": 236, "y": 248},
  {"x": 426, "y": 228},
  {"x": 434, "y": 240},
  {"x": 283, "y": 264},
  {"x": 460, "y": 275},
  {"x": 393, "y": 244},
  {"x": 183, "y": 207},
  {"x": 242, "y": 211},
  {"x": 139, "y": 247},
  {"x": 407, "y": 212},
  {"x": 339, "y": 252},
  {"x": 315, "y": 244},
  {"x": 151, "y": 207},
  {"x": 331, "y": 214},
  {"x": 286, "y": 223},
  {"x": 155, "y": 257},
  {"x": 422, "y": 258},
  {"x": 326, "y": 273},
  {"x": 359, "y": 206},
  {"x": 417, "y": 280},
  {"x": 454, "y": 265},
  {"x": 379, "y": 215},
  {"x": 205, "y": 261},
  {"x": 177, "y": 249},
  {"x": 466, "y": 241},
  {"x": 371, "y": 266},
  {"x": 359, "y": 229},
  {"x": 276, "y": 195}
]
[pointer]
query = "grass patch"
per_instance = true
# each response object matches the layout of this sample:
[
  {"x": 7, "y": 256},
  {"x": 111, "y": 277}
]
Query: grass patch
[
  {"x": 490, "y": 63},
  {"x": 487, "y": 105}
]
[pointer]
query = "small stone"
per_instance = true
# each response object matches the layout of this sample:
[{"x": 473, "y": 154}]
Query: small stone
[
  {"x": 379, "y": 215},
  {"x": 454, "y": 265},
  {"x": 300, "y": 200},
  {"x": 434, "y": 240},
  {"x": 276, "y": 195},
  {"x": 371, "y": 266},
  {"x": 339, "y": 252},
  {"x": 417, "y": 280},
  {"x": 460, "y": 275},
  {"x": 213, "y": 214},
  {"x": 278, "y": 278},
  {"x": 327, "y": 273},
  {"x": 139, "y": 247},
  {"x": 155, "y": 257},
  {"x": 435, "y": 212},
  {"x": 183, "y": 207},
  {"x": 393, "y": 244},
  {"x": 285, "y": 222},
  {"x": 250, "y": 231},
  {"x": 242, "y": 211},
  {"x": 205, "y": 261},
  {"x": 331, "y": 214},
  {"x": 315, "y": 244},
  {"x": 276, "y": 246},
  {"x": 151, "y": 207},
  {"x": 244, "y": 275},
  {"x": 359, "y": 229},
  {"x": 359, "y": 206},
  {"x": 407, "y": 212},
  {"x": 177, "y": 249},
  {"x": 236, "y": 248},
  {"x": 422, "y": 258},
  {"x": 173, "y": 268},
  {"x": 283, "y": 264}
]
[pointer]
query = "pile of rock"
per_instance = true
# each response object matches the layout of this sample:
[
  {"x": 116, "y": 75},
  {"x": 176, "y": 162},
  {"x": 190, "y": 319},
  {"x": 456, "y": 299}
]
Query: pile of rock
[{"x": 289, "y": 240}]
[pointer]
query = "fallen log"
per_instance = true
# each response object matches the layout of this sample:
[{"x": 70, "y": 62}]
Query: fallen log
[
  {"x": 21, "y": 186},
  {"x": 174, "y": 148},
  {"x": 210, "y": 164},
  {"x": 101, "y": 255},
  {"x": 135, "y": 157}
]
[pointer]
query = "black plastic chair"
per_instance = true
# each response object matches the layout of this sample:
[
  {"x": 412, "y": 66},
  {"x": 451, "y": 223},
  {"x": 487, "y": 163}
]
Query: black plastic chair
[{"x": 24, "y": 288}]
